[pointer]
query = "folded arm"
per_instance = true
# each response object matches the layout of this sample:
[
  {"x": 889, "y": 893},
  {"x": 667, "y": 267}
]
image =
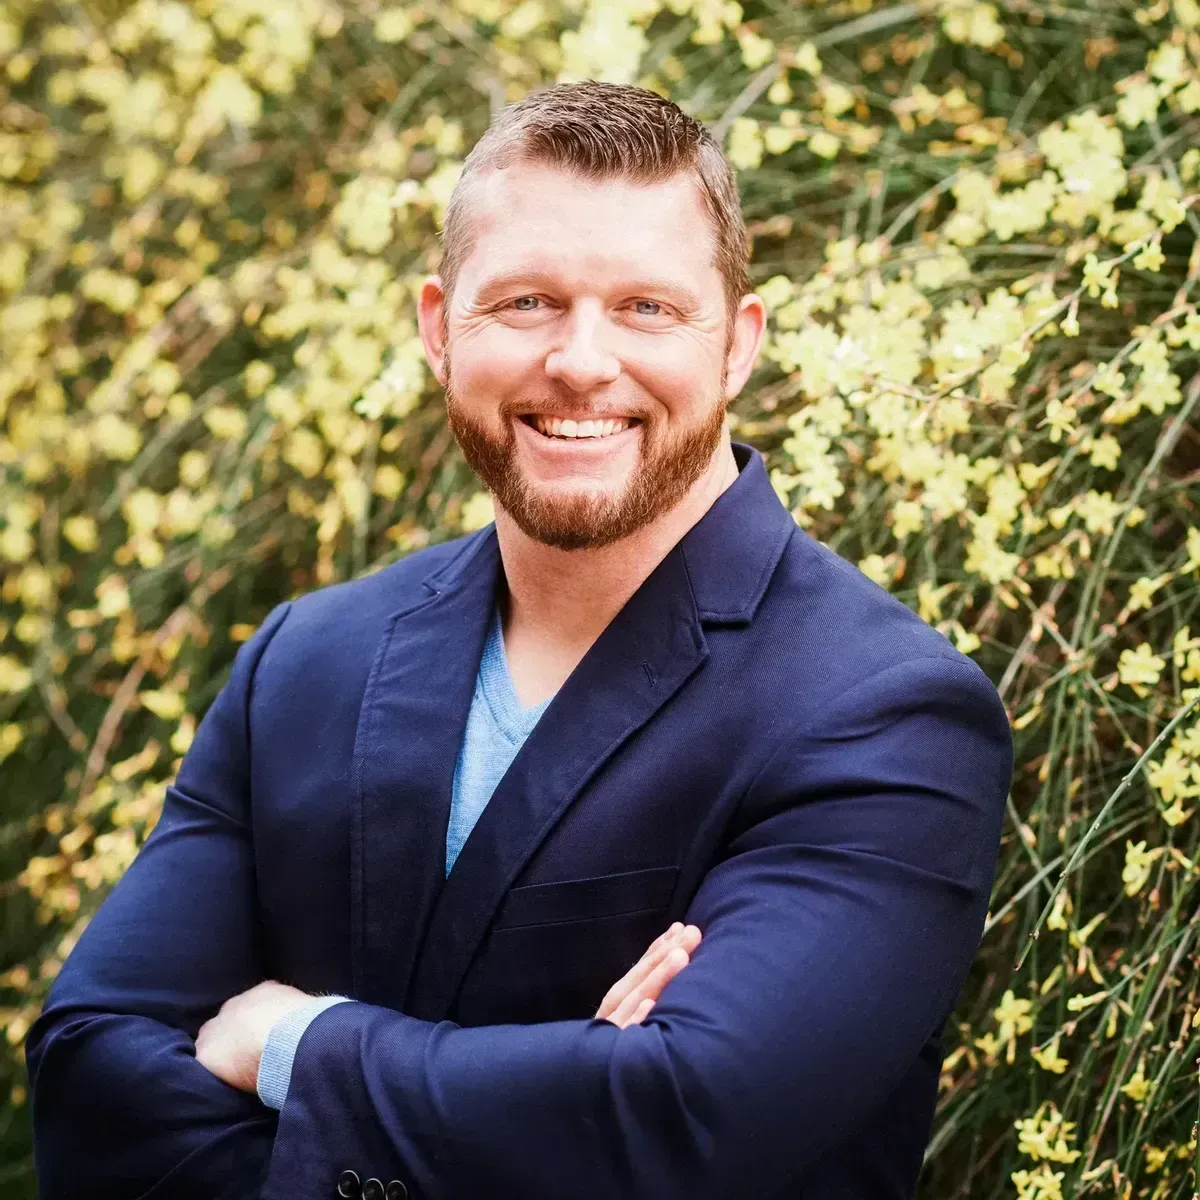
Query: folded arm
[
  {"x": 838, "y": 930},
  {"x": 118, "y": 1098}
]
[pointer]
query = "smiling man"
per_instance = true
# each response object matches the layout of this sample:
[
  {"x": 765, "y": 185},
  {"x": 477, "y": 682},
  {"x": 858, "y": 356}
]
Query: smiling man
[{"x": 437, "y": 811}]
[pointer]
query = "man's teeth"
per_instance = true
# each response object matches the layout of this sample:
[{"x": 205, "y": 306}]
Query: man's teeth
[{"x": 558, "y": 427}]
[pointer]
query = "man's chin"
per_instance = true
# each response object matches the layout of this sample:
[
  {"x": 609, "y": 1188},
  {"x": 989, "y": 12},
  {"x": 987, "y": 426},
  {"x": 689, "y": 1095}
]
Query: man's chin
[{"x": 569, "y": 518}]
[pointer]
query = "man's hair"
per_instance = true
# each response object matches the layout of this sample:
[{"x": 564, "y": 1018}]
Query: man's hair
[{"x": 601, "y": 131}]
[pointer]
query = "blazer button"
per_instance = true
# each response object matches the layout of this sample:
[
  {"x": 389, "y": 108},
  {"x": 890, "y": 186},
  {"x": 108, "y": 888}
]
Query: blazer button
[
  {"x": 372, "y": 1190},
  {"x": 348, "y": 1187},
  {"x": 396, "y": 1191}
]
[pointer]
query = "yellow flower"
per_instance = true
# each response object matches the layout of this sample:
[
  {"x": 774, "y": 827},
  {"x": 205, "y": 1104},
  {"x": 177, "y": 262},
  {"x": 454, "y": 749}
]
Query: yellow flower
[
  {"x": 166, "y": 704},
  {"x": 1176, "y": 814},
  {"x": 1193, "y": 550},
  {"x": 836, "y": 98},
  {"x": 1108, "y": 379},
  {"x": 256, "y": 376},
  {"x": 115, "y": 437},
  {"x": 756, "y": 51},
  {"x": 1046, "y": 1135},
  {"x": 15, "y": 677},
  {"x": 1097, "y": 510},
  {"x": 1138, "y": 1087},
  {"x": 193, "y": 468},
  {"x": 971, "y": 22},
  {"x": 112, "y": 596},
  {"x": 990, "y": 1045},
  {"x": 1060, "y": 417},
  {"x": 1155, "y": 1158},
  {"x": 1049, "y": 1059},
  {"x": 1096, "y": 275},
  {"x": 824, "y": 145},
  {"x": 1138, "y": 105},
  {"x": 907, "y": 517},
  {"x": 388, "y": 482},
  {"x": 1151, "y": 258},
  {"x": 392, "y": 25},
  {"x": 1171, "y": 776},
  {"x": 305, "y": 451},
  {"x": 1040, "y": 1184},
  {"x": 988, "y": 561},
  {"x": 477, "y": 512},
  {"x": 745, "y": 148},
  {"x": 1060, "y": 910},
  {"x": 1140, "y": 669},
  {"x": 1104, "y": 451},
  {"x": 1142, "y": 590},
  {"x": 226, "y": 422},
  {"x": 142, "y": 170},
  {"x": 965, "y": 641},
  {"x": 807, "y": 59},
  {"x": 876, "y": 568},
  {"x": 1014, "y": 1019},
  {"x": 141, "y": 509},
  {"x": 1138, "y": 862},
  {"x": 226, "y": 98},
  {"x": 11, "y": 736},
  {"x": 1168, "y": 63}
]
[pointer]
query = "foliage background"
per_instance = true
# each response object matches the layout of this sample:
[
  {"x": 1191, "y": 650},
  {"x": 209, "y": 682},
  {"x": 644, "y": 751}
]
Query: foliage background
[{"x": 975, "y": 227}]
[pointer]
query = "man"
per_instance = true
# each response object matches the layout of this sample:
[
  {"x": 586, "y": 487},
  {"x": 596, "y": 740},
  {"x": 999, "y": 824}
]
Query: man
[{"x": 437, "y": 811}]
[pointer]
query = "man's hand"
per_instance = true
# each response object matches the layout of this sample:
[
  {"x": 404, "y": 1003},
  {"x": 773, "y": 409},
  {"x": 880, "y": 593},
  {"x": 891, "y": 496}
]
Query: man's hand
[
  {"x": 231, "y": 1043},
  {"x": 631, "y": 998}
]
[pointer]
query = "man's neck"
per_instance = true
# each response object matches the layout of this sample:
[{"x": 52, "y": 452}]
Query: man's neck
[{"x": 566, "y": 598}]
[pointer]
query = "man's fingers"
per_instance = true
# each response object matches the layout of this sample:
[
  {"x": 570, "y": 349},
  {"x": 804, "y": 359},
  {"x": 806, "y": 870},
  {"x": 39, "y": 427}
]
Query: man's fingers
[
  {"x": 635, "y": 981},
  {"x": 667, "y": 934},
  {"x": 651, "y": 958},
  {"x": 651, "y": 987},
  {"x": 686, "y": 936}
]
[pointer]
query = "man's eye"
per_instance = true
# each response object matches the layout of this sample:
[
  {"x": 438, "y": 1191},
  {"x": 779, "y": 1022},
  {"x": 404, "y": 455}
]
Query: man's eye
[
  {"x": 520, "y": 298},
  {"x": 653, "y": 303}
]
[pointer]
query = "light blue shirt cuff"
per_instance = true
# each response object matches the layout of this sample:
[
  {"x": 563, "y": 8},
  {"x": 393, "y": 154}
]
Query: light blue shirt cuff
[{"x": 279, "y": 1051}]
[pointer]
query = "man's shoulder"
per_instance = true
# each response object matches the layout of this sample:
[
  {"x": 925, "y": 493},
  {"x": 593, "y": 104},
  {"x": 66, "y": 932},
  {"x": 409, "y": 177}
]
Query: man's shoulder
[
  {"x": 841, "y": 626},
  {"x": 365, "y": 604}
]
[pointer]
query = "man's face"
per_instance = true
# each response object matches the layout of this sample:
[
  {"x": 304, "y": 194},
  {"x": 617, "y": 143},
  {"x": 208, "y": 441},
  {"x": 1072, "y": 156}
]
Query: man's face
[{"x": 586, "y": 366}]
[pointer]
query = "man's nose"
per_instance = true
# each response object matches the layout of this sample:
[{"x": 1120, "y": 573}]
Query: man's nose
[{"x": 582, "y": 360}]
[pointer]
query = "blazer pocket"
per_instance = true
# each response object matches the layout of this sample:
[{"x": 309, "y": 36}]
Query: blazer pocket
[{"x": 587, "y": 899}]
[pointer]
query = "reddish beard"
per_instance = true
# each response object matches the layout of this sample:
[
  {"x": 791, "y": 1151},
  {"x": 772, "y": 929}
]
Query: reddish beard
[{"x": 665, "y": 470}]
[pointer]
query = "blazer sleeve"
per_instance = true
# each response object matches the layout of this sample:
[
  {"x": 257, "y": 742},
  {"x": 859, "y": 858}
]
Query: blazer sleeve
[
  {"x": 838, "y": 926},
  {"x": 120, "y": 1106}
]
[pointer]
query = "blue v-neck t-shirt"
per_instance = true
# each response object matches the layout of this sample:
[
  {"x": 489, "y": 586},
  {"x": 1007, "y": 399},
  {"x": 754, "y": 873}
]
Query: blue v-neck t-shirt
[{"x": 496, "y": 727}]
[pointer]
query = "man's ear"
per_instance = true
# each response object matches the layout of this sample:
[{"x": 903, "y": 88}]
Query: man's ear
[
  {"x": 430, "y": 317},
  {"x": 749, "y": 330}
]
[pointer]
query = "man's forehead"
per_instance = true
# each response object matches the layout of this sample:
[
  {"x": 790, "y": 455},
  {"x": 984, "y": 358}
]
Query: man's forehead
[
  {"x": 622, "y": 237},
  {"x": 525, "y": 199}
]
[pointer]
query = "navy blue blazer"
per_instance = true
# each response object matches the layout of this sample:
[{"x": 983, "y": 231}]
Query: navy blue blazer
[{"x": 763, "y": 742}]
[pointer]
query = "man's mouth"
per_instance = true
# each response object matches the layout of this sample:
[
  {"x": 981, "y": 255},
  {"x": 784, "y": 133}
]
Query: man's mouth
[{"x": 560, "y": 427}]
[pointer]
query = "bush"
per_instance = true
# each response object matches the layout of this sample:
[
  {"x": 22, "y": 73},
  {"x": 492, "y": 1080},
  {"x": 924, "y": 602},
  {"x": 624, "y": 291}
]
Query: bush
[{"x": 976, "y": 232}]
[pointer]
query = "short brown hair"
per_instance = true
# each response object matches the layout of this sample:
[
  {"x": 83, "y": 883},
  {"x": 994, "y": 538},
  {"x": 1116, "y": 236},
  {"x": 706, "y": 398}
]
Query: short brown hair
[{"x": 602, "y": 131}]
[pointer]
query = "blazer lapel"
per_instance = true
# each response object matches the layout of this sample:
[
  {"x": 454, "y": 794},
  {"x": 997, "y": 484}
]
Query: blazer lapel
[
  {"x": 411, "y": 724},
  {"x": 641, "y": 659}
]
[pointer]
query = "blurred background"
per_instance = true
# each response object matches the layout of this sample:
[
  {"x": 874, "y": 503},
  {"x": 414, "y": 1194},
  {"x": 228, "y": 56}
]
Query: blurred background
[{"x": 975, "y": 227}]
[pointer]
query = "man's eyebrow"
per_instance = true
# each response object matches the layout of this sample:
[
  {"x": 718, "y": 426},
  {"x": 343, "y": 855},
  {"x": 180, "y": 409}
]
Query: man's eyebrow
[{"x": 498, "y": 284}]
